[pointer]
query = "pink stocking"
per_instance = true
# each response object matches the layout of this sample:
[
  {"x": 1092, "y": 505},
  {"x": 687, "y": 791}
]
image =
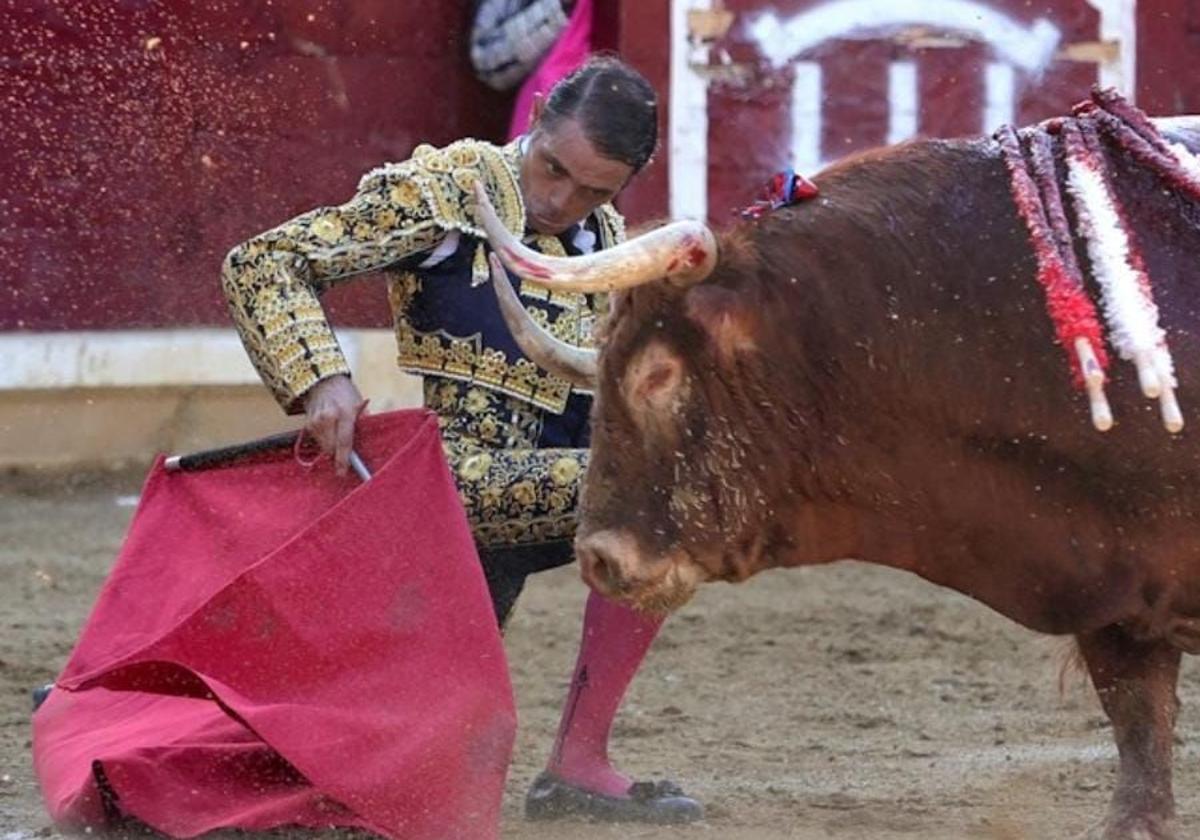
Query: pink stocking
[{"x": 615, "y": 641}]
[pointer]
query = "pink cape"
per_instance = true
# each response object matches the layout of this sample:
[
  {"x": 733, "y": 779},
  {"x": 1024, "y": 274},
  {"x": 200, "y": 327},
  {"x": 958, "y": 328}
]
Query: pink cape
[
  {"x": 568, "y": 53},
  {"x": 278, "y": 646}
]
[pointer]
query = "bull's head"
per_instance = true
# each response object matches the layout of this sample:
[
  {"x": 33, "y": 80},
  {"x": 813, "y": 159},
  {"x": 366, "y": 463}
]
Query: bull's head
[{"x": 670, "y": 498}]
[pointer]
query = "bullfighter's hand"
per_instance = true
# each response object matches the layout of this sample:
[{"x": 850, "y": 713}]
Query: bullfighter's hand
[{"x": 332, "y": 407}]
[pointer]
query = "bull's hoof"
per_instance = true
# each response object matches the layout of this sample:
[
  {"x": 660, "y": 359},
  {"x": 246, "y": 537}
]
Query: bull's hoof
[
  {"x": 662, "y": 803},
  {"x": 1134, "y": 828}
]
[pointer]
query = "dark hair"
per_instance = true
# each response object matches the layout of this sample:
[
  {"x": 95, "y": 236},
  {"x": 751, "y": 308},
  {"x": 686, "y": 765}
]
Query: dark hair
[{"x": 615, "y": 105}]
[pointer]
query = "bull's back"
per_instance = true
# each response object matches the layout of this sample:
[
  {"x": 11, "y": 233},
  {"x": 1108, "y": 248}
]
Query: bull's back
[
  {"x": 950, "y": 378},
  {"x": 980, "y": 348}
]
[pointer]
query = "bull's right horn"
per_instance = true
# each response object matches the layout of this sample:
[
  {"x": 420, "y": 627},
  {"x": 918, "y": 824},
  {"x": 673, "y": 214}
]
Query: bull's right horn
[{"x": 683, "y": 253}]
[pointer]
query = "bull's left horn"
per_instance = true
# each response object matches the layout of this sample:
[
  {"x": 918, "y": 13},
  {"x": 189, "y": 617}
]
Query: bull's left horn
[
  {"x": 682, "y": 252},
  {"x": 577, "y": 365}
]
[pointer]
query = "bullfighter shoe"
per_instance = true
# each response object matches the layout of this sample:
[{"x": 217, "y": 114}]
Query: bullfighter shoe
[{"x": 660, "y": 802}]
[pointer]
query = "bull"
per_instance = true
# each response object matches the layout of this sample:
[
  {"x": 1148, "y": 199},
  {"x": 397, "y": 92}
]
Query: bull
[{"x": 873, "y": 375}]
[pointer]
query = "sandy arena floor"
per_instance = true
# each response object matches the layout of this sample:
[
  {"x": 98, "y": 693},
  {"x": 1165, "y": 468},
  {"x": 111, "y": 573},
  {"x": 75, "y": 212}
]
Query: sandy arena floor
[{"x": 840, "y": 702}]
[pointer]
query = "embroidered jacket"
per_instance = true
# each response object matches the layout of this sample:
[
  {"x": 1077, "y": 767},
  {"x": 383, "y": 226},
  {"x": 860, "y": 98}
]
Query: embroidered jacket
[{"x": 447, "y": 321}]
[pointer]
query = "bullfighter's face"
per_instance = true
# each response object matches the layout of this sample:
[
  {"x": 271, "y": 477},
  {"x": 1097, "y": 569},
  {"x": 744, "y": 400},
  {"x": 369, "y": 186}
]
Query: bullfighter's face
[
  {"x": 671, "y": 497},
  {"x": 564, "y": 177}
]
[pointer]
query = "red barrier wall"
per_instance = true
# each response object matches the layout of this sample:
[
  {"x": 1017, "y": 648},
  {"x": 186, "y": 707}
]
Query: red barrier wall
[
  {"x": 1169, "y": 56},
  {"x": 143, "y": 139},
  {"x": 749, "y": 134}
]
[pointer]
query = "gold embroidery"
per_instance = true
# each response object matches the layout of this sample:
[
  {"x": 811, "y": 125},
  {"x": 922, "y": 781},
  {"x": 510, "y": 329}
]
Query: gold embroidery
[
  {"x": 513, "y": 492},
  {"x": 474, "y": 466},
  {"x": 493, "y": 367},
  {"x": 465, "y": 179},
  {"x": 406, "y": 195},
  {"x": 465, "y": 359},
  {"x": 272, "y": 281},
  {"x": 436, "y": 161},
  {"x": 463, "y": 156},
  {"x": 565, "y": 471},
  {"x": 612, "y": 226},
  {"x": 328, "y": 227},
  {"x": 476, "y": 401},
  {"x": 481, "y": 272}
]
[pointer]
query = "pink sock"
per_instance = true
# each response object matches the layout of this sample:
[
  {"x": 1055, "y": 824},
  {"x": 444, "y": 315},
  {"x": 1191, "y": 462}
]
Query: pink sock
[{"x": 615, "y": 641}]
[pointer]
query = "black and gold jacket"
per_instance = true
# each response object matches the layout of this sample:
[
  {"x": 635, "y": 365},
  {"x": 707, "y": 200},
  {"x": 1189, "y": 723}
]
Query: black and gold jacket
[{"x": 447, "y": 320}]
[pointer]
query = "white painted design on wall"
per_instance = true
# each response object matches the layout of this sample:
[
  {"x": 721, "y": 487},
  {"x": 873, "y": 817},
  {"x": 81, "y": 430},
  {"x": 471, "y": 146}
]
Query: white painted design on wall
[
  {"x": 1118, "y": 22},
  {"x": 999, "y": 96},
  {"x": 688, "y": 162},
  {"x": 1016, "y": 49},
  {"x": 1030, "y": 48},
  {"x": 903, "y": 107},
  {"x": 806, "y": 117}
]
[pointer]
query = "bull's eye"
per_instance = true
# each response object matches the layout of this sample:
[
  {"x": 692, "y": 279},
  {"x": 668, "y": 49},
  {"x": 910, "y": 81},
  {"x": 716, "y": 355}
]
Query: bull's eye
[
  {"x": 653, "y": 385},
  {"x": 656, "y": 380}
]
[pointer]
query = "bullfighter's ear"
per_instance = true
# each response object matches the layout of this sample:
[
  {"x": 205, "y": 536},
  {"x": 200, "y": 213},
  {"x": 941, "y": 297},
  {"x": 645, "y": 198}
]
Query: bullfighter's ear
[
  {"x": 652, "y": 381},
  {"x": 724, "y": 316}
]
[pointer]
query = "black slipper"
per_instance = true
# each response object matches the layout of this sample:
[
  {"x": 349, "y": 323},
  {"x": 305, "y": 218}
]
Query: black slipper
[
  {"x": 661, "y": 803},
  {"x": 40, "y": 694}
]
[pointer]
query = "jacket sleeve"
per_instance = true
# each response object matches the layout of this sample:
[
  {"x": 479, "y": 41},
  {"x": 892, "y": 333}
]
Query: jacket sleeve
[{"x": 272, "y": 282}]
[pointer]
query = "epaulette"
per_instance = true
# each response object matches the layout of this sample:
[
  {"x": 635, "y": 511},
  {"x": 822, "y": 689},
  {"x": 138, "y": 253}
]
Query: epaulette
[
  {"x": 612, "y": 225},
  {"x": 446, "y": 179}
]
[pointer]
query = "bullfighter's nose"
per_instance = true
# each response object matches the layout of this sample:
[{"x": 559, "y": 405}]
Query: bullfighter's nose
[{"x": 605, "y": 558}]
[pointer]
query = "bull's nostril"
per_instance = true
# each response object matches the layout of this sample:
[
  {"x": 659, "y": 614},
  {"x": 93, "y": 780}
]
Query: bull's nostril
[
  {"x": 608, "y": 572},
  {"x": 609, "y": 562},
  {"x": 599, "y": 569}
]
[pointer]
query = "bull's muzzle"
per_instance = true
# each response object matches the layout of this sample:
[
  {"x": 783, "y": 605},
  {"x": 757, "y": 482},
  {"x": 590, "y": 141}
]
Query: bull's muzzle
[
  {"x": 607, "y": 560},
  {"x": 612, "y": 564}
]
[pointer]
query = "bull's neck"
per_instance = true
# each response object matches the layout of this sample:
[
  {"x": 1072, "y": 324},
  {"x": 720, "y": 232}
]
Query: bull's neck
[{"x": 873, "y": 296}]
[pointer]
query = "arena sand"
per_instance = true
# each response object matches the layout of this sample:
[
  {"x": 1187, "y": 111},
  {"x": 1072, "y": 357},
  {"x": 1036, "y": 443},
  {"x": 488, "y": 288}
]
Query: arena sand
[{"x": 837, "y": 702}]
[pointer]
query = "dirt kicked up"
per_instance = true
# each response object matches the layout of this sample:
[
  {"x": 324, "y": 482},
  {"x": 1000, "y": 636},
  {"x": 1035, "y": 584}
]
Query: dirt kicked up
[{"x": 839, "y": 702}]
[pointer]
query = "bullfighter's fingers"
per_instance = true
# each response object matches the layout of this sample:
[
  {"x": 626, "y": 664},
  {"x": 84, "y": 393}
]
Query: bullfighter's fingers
[
  {"x": 343, "y": 442},
  {"x": 321, "y": 425}
]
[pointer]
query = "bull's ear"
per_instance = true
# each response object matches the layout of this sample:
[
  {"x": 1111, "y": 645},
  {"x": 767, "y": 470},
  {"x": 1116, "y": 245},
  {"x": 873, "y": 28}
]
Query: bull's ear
[
  {"x": 724, "y": 317},
  {"x": 653, "y": 381}
]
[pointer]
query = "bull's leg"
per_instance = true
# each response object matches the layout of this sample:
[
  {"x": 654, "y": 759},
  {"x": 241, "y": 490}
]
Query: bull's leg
[{"x": 1136, "y": 683}]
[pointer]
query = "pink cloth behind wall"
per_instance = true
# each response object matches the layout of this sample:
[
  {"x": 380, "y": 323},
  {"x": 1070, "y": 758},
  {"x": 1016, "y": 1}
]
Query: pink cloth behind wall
[{"x": 568, "y": 53}]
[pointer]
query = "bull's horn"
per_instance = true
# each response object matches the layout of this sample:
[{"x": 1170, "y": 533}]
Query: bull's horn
[
  {"x": 682, "y": 252},
  {"x": 577, "y": 365}
]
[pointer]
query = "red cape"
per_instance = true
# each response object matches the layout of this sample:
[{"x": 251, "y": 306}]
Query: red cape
[{"x": 278, "y": 646}]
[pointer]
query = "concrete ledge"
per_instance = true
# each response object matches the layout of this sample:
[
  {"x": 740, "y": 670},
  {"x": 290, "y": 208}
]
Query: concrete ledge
[{"x": 108, "y": 399}]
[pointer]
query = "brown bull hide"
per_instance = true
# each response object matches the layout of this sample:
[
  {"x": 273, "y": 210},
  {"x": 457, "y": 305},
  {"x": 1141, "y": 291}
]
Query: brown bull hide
[{"x": 873, "y": 374}]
